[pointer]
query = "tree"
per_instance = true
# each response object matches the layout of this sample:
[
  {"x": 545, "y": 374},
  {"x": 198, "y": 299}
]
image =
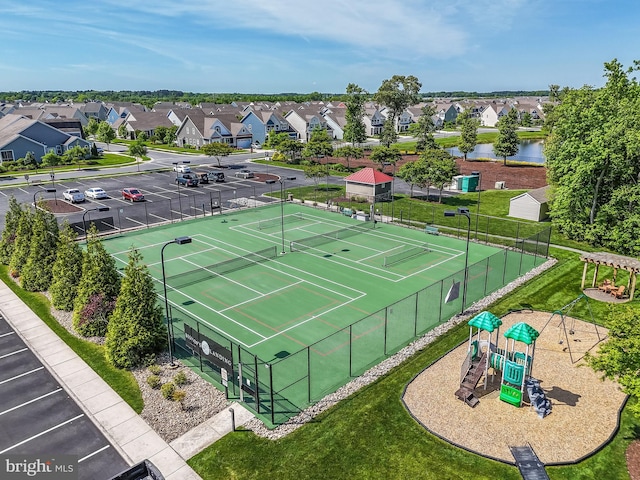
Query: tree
[
  {"x": 441, "y": 168},
  {"x": 22, "y": 243},
  {"x": 66, "y": 271},
  {"x": 415, "y": 174},
  {"x": 315, "y": 173},
  {"x": 468, "y": 133},
  {"x": 290, "y": 148},
  {"x": 397, "y": 93},
  {"x": 98, "y": 289},
  {"x": 423, "y": 129},
  {"x": 216, "y": 149},
  {"x": 274, "y": 139},
  {"x": 348, "y": 152},
  {"x": 593, "y": 161},
  {"x": 37, "y": 270},
  {"x": 507, "y": 142},
  {"x": 319, "y": 145},
  {"x": 170, "y": 136},
  {"x": 619, "y": 357},
  {"x": 91, "y": 128},
  {"x": 50, "y": 160},
  {"x": 138, "y": 150},
  {"x": 385, "y": 155},
  {"x": 30, "y": 161},
  {"x": 136, "y": 330},
  {"x": 355, "y": 131},
  {"x": 77, "y": 154},
  {"x": 388, "y": 136},
  {"x": 554, "y": 93},
  {"x": 122, "y": 131},
  {"x": 105, "y": 133},
  {"x": 10, "y": 232}
]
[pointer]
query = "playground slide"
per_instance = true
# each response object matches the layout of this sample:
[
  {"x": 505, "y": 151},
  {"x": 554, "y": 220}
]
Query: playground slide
[{"x": 537, "y": 397}]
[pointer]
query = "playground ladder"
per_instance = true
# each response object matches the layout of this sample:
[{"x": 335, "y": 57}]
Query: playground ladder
[{"x": 470, "y": 381}]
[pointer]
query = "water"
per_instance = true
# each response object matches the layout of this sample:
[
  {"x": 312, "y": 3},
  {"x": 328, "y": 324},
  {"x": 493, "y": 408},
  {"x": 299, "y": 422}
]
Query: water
[{"x": 528, "y": 151}]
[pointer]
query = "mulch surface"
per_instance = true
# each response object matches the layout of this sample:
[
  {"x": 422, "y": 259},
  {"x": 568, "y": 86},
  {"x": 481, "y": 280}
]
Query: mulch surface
[
  {"x": 633, "y": 460},
  {"x": 515, "y": 176}
]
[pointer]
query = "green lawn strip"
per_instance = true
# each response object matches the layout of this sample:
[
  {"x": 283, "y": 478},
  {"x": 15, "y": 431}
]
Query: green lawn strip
[
  {"x": 370, "y": 435},
  {"x": 122, "y": 381}
]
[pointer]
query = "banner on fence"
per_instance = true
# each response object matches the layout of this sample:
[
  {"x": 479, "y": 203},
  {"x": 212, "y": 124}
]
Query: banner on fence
[{"x": 204, "y": 346}]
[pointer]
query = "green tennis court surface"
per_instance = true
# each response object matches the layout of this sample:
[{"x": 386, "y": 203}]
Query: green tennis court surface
[{"x": 344, "y": 295}]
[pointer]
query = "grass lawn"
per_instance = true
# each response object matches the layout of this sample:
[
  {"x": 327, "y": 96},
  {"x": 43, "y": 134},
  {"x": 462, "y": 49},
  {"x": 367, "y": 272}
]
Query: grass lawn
[
  {"x": 370, "y": 435},
  {"x": 122, "y": 381}
]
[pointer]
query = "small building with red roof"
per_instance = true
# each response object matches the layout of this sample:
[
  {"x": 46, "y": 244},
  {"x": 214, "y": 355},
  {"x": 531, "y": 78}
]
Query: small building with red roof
[{"x": 370, "y": 184}]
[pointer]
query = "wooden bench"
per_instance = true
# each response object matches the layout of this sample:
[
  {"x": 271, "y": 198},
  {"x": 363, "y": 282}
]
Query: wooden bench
[{"x": 431, "y": 230}]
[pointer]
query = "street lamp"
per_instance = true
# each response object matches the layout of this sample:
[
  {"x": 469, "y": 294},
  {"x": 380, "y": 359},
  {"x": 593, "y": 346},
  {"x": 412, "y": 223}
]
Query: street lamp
[
  {"x": 84, "y": 224},
  {"x": 282, "y": 182},
  {"x": 46, "y": 190},
  {"x": 393, "y": 184},
  {"x": 465, "y": 212},
  {"x": 179, "y": 241},
  {"x": 479, "y": 175}
]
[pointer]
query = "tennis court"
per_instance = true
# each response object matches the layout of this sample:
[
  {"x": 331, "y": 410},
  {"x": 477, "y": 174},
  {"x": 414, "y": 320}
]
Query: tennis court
[{"x": 344, "y": 295}]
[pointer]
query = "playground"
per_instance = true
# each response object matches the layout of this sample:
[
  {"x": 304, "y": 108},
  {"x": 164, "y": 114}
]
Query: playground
[{"x": 584, "y": 412}]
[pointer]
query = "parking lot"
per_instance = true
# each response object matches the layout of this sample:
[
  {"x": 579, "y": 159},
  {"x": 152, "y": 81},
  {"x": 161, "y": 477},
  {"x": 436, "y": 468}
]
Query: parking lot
[
  {"x": 165, "y": 200},
  {"x": 38, "y": 417}
]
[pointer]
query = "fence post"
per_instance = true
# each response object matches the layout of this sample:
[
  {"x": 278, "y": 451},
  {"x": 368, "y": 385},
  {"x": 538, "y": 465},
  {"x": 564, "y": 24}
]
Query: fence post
[
  {"x": 309, "y": 374},
  {"x": 350, "y": 350}
]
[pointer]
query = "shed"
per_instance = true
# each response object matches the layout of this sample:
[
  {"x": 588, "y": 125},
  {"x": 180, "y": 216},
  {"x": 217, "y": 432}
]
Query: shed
[
  {"x": 369, "y": 183},
  {"x": 531, "y": 205}
]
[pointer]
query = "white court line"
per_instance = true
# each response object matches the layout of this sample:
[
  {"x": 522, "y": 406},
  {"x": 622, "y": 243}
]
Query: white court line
[
  {"x": 41, "y": 433},
  {"x": 262, "y": 296},
  {"x": 93, "y": 453},
  {"x": 13, "y": 353},
  {"x": 22, "y": 375},
  {"x": 5, "y": 334},
  {"x": 31, "y": 401}
]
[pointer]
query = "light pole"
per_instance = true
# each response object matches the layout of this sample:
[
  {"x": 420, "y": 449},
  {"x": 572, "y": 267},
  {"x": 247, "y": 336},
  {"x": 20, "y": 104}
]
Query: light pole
[
  {"x": 479, "y": 174},
  {"x": 393, "y": 184},
  {"x": 84, "y": 224},
  {"x": 465, "y": 212},
  {"x": 179, "y": 241},
  {"x": 46, "y": 190},
  {"x": 282, "y": 182}
]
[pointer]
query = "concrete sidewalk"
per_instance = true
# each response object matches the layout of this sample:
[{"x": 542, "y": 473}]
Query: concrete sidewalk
[{"x": 129, "y": 433}]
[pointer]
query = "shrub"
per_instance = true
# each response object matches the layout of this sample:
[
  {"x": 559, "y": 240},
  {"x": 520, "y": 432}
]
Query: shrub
[
  {"x": 180, "y": 379},
  {"x": 155, "y": 369},
  {"x": 154, "y": 381},
  {"x": 179, "y": 396},
  {"x": 167, "y": 390}
]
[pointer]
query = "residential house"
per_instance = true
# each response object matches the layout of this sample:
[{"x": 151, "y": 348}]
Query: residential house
[
  {"x": 95, "y": 110},
  {"x": 304, "y": 122},
  {"x": 262, "y": 122},
  {"x": 20, "y": 134},
  {"x": 146, "y": 122},
  {"x": 200, "y": 129},
  {"x": 374, "y": 121}
]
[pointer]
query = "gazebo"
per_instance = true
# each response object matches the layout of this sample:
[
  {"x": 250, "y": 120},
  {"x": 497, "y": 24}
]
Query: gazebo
[{"x": 617, "y": 262}]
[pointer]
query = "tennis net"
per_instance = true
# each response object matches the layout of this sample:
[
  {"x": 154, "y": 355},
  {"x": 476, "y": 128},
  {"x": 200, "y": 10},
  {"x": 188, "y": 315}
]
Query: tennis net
[
  {"x": 276, "y": 222},
  {"x": 324, "y": 238},
  {"x": 405, "y": 255},
  {"x": 201, "y": 274}
]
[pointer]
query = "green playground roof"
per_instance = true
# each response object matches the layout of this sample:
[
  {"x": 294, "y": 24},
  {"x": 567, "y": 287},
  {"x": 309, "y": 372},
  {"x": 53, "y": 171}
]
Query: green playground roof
[
  {"x": 522, "y": 332},
  {"x": 485, "y": 321}
]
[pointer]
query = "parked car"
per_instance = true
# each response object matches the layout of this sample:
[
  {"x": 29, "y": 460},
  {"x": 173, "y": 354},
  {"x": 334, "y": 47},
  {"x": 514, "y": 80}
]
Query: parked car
[
  {"x": 187, "y": 180},
  {"x": 73, "y": 195},
  {"x": 244, "y": 173},
  {"x": 203, "y": 177},
  {"x": 256, "y": 146},
  {"x": 132, "y": 194},
  {"x": 96, "y": 193},
  {"x": 216, "y": 176},
  {"x": 182, "y": 168}
]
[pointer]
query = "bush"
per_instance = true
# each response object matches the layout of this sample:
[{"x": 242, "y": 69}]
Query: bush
[
  {"x": 155, "y": 369},
  {"x": 167, "y": 390},
  {"x": 180, "y": 379},
  {"x": 154, "y": 381},
  {"x": 179, "y": 395}
]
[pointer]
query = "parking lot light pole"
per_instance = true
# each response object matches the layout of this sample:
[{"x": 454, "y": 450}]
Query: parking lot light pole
[
  {"x": 46, "y": 190},
  {"x": 84, "y": 224},
  {"x": 465, "y": 212},
  {"x": 178, "y": 241}
]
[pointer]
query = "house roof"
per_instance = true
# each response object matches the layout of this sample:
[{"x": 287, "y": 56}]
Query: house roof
[
  {"x": 369, "y": 176},
  {"x": 540, "y": 195}
]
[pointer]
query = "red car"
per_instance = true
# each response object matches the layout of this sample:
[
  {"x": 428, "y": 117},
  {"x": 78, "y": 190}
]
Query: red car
[{"x": 132, "y": 194}]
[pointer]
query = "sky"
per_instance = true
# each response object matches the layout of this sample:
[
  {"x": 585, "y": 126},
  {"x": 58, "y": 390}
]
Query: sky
[{"x": 297, "y": 46}]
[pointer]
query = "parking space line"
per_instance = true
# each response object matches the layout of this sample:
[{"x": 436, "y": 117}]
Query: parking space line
[
  {"x": 164, "y": 219},
  {"x": 21, "y": 375},
  {"x": 93, "y": 453},
  {"x": 13, "y": 353},
  {"x": 31, "y": 401},
  {"x": 5, "y": 334},
  {"x": 42, "y": 433},
  {"x": 135, "y": 221}
]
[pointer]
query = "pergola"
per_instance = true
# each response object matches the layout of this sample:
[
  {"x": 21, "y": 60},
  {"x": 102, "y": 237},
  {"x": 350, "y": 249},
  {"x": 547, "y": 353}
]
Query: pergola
[{"x": 616, "y": 262}]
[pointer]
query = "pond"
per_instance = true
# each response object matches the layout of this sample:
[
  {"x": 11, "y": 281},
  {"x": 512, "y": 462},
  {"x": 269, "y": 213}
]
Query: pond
[{"x": 528, "y": 151}]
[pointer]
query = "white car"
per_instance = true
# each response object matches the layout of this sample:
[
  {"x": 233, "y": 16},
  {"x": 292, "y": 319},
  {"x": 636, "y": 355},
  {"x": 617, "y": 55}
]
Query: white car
[
  {"x": 73, "y": 195},
  {"x": 95, "y": 193},
  {"x": 182, "y": 168},
  {"x": 244, "y": 173}
]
